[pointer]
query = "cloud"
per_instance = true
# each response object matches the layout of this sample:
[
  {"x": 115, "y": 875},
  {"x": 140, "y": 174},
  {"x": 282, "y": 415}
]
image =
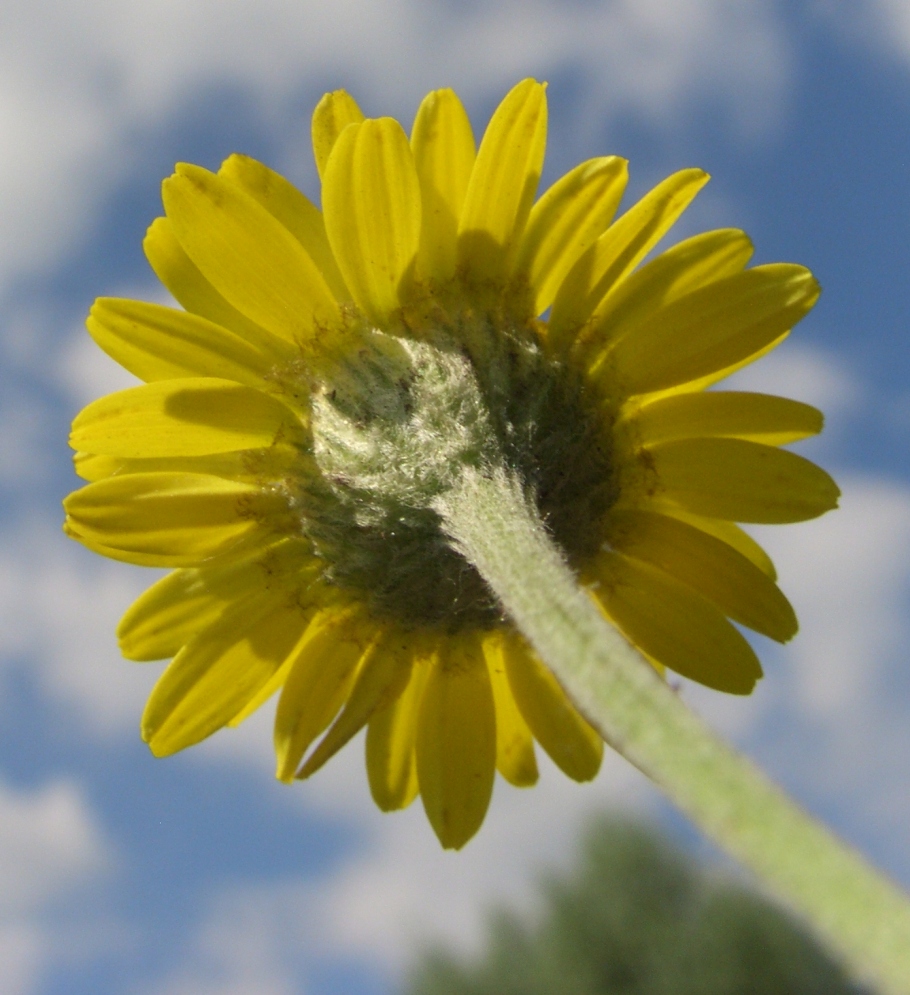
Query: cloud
[
  {"x": 829, "y": 720},
  {"x": 844, "y": 678},
  {"x": 806, "y": 373},
  {"x": 880, "y": 24},
  {"x": 850, "y": 577},
  {"x": 399, "y": 890},
  {"x": 49, "y": 844},
  {"x": 59, "y": 607},
  {"x": 79, "y": 82}
]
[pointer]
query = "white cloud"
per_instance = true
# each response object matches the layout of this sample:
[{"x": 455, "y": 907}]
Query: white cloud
[
  {"x": 400, "y": 889},
  {"x": 80, "y": 81},
  {"x": 805, "y": 373},
  {"x": 881, "y": 24},
  {"x": 59, "y": 607},
  {"x": 49, "y": 843},
  {"x": 86, "y": 372},
  {"x": 850, "y": 577},
  {"x": 830, "y": 717},
  {"x": 23, "y": 949}
]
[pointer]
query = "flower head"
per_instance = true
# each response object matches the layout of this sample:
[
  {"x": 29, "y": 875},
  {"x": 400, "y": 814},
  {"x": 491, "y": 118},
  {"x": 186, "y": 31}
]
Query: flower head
[{"x": 332, "y": 370}]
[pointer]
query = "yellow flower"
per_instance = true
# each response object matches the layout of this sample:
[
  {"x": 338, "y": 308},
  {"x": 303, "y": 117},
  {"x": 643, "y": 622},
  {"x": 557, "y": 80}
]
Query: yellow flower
[{"x": 299, "y": 416}]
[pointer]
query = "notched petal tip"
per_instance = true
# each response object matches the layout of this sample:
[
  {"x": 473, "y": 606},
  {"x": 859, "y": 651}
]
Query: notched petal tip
[{"x": 334, "y": 112}]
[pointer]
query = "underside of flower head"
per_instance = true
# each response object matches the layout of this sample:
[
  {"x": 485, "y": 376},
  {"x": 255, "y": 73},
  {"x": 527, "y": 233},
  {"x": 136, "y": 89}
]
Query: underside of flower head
[{"x": 330, "y": 375}]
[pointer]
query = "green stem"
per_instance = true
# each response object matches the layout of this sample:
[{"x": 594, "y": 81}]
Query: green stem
[{"x": 862, "y": 916}]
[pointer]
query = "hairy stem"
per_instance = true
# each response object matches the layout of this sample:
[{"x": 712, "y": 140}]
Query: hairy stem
[{"x": 860, "y": 915}]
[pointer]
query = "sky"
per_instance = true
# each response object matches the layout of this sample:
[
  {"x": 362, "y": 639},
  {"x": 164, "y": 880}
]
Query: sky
[{"x": 200, "y": 874}]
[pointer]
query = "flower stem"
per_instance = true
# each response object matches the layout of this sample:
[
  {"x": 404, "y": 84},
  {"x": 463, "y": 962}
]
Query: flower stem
[{"x": 862, "y": 917}]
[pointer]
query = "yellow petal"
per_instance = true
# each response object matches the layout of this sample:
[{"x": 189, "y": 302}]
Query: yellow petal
[
  {"x": 675, "y": 625},
  {"x": 443, "y": 147},
  {"x": 566, "y": 221},
  {"x": 179, "y": 606},
  {"x": 91, "y": 467},
  {"x": 712, "y": 328},
  {"x": 190, "y": 288},
  {"x": 289, "y": 206},
  {"x": 212, "y": 677},
  {"x": 310, "y": 604},
  {"x": 727, "y": 532},
  {"x": 621, "y": 247},
  {"x": 371, "y": 198},
  {"x": 708, "y": 565},
  {"x": 456, "y": 741},
  {"x": 742, "y": 481},
  {"x": 383, "y": 674},
  {"x": 317, "y": 683},
  {"x": 250, "y": 258},
  {"x": 703, "y": 383},
  {"x": 189, "y": 417},
  {"x": 123, "y": 556},
  {"x": 391, "y": 735},
  {"x": 166, "y": 616},
  {"x": 503, "y": 183},
  {"x": 775, "y": 421},
  {"x": 573, "y": 745},
  {"x": 332, "y": 115},
  {"x": 515, "y": 758},
  {"x": 161, "y": 343},
  {"x": 180, "y": 518},
  {"x": 685, "y": 267},
  {"x": 251, "y": 466}
]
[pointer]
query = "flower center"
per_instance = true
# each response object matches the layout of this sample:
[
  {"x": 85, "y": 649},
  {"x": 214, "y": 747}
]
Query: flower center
[{"x": 397, "y": 420}]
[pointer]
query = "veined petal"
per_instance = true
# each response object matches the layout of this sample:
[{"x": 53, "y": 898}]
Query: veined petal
[
  {"x": 673, "y": 624},
  {"x": 456, "y": 741},
  {"x": 709, "y": 379},
  {"x": 712, "y": 327},
  {"x": 280, "y": 676},
  {"x": 382, "y": 675},
  {"x": 289, "y": 206},
  {"x": 178, "y": 518},
  {"x": 391, "y": 738},
  {"x": 160, "y": 343},
  {"x": 742, "y": 481},
  {"x": 371, "y": 198},
  {"x": 621, "y": 247},
  {"x": 566, "y": 221},
  {"x": 515, "y": 758},
  {"x": 503, "y": 183},
  {"x": 122, "y": 556},
  {"x": 727, "y": 532},
  {"x": 774, "y": 421},
  {"x": 685, "y": 267},
  {"x": 317, "y": 683},
  {"x": 708, "y": 565},
  {"x": 179, "y": 606},
  {"x": 248, "y": 465},
  {"x": 191, "y": 289},
  {"x": 188, "y": 417},
  {"x": 443, "y": 145},
  {"x": 212, "y": 677},
  {"x": 310, "y": 600},
  {"x": 172, "y": 611},
  {"x": 250, "y": 258},
  {"x": 332, "y": 115},
  {"x": 573, "y": 745}
]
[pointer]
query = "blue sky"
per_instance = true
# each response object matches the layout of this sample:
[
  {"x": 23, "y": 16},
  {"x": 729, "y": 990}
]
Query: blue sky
[{"x": 200, "y": 875}]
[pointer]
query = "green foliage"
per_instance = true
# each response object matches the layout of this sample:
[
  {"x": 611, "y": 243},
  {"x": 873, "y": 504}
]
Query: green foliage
[{"x": 636, "y": 917}]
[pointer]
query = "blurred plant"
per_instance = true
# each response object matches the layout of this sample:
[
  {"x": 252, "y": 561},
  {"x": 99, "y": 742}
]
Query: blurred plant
[{"x": 637, "y": 917}]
